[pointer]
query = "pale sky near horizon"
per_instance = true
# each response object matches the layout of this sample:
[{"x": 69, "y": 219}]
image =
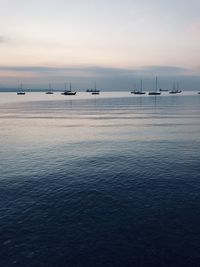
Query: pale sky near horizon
[{"x": 85, "y": 38}]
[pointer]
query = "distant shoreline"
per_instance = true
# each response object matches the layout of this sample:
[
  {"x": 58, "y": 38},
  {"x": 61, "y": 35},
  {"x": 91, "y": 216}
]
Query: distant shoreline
[{"x": 15, "y": 90}]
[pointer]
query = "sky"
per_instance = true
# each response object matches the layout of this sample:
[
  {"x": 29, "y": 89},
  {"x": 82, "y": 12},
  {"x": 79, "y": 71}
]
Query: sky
[{"x": 113, "y": 42}]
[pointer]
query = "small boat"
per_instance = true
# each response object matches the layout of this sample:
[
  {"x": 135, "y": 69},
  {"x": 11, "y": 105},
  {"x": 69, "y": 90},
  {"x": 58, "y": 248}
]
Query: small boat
[
  {"x": 69, "y": 92},
  {"x": 49, "y": 92},
  {"x": 92, "y": 90},
  {"x": 155, "y": 92},
  {"x": 138, "y": 92},
  {"x": 163, "y": 90},
  {"x": 199, "y": 93},
  {"x": 21, "y": 92},
  {"x": 95, "y": 91},
  {"x": 173, "y": 92}
]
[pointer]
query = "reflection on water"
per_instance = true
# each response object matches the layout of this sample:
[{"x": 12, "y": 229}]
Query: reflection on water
[{"x": 108, "y": 180}]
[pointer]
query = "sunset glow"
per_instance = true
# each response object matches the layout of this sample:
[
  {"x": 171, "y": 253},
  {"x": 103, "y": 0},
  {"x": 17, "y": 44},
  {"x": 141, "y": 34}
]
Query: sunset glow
[{"x": 132, "y": 35}]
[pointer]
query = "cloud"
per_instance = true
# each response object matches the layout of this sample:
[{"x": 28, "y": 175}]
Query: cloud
[
  {"x": 99, "y": 71},
  {"x": 162, "y": 70},
  {"x": 108, "y": 78},
  {"x": 74, "y": 71}
]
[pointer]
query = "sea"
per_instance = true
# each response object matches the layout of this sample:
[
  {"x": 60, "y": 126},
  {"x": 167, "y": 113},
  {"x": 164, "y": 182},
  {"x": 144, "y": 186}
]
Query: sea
[{"x": 99, "y": 180}]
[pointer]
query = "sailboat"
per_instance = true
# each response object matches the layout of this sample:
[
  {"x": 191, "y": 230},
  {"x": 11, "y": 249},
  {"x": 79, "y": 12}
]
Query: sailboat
[
  {"x": 163, "y": 90},
  {"x": 155, "y": 92},
  {"x": 68, "y": 92},
  {"x": 95, "y": 91},
  {"x": 138, "y": 92},
  {"x": 21, "y": 92},
  {"x": 49, "y": 92},
  {"x": 175, "y": 90}
]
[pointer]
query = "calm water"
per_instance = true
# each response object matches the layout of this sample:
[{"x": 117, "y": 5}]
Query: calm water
[{"x": 109, "y": 180}]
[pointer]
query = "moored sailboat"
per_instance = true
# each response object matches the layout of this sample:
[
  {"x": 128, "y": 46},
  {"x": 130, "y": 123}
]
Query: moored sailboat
[
  {"x": 68, "y": 92},
  {"x": 138, "y": 92},
  {"x": 155, "y": 92},
  {"x": 21, "y": 92},
  {"x": 175, "y": 90},
  {"x": 95, "y": 91},
  {"x": 49, "y": 92}
]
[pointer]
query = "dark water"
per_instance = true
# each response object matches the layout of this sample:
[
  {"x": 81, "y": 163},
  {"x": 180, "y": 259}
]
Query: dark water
[{"x": 100, "y": 182}]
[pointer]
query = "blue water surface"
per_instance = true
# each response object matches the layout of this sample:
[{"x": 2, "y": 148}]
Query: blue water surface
[{"x": 100, "y": 182}]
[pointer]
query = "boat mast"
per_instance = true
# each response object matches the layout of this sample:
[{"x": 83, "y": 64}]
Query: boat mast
[
  {"x": 156, "y": 83},
  {"x": 174, "y": 86},
  {"x": 141, "y": 85},
  {"x": 177, "y": 86}
]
